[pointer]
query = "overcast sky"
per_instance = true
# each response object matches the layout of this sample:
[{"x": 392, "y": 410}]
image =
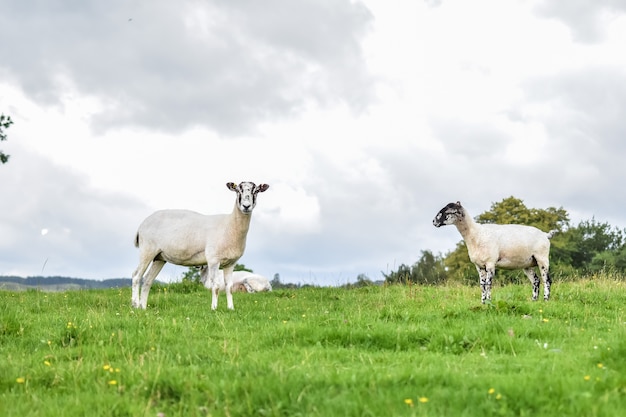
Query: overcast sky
[{"x": 364, "y": 117}]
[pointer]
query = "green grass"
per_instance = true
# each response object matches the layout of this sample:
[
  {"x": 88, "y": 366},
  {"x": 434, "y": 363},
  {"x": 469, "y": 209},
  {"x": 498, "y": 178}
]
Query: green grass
[{"x": 375, "y": 351}]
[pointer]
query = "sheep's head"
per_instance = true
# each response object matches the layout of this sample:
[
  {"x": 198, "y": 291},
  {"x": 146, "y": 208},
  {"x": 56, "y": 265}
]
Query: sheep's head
[
  {"x": 450, "y": 214},
  {"x": 246, "y": 194}
]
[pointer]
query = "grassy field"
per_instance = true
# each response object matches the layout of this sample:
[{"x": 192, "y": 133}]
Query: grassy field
[{"x": 375, "y": 351}]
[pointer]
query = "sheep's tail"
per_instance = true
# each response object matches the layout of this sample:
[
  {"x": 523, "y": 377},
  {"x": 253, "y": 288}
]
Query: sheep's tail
[{"x": 551, "y": 233}]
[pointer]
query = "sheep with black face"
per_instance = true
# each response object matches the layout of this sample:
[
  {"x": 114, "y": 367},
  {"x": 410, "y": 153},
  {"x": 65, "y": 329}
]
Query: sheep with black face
[{"x": 508, "y": 246}]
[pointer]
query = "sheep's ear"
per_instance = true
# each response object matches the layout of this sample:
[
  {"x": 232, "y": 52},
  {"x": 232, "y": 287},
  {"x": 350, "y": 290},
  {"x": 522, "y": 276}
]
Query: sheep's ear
[
  {"x": 262, "y": 187},
  {"x": 458, "y": 203},
  {"x": 231, "y": 186}
]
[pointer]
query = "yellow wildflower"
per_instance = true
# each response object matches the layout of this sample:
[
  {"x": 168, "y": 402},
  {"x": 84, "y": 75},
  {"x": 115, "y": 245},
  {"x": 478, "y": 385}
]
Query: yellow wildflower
[
  {"x": 423, "y": 400},
  {"x": 20, "y": 380},
  {"x": 491, "y": 391},
  {"x": 408, "y": 402}
]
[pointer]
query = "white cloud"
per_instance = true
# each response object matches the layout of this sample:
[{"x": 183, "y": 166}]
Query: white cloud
[
  {"x": 364, "y": 117},
  {"x": 225, "y": 67}
]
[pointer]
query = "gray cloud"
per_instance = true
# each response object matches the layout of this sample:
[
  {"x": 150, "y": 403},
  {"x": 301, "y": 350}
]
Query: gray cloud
[
  {"x": 367, "y": 223},
  {"x": 372, "y": 220},
  {"x": 590, "y": 104},
  {"x": 586, "y": 19},
  {"x": 59, "y": 225},
  {"x": 582, "y": 117},
  {"x": 470, "y": 139},
  {"x": 170, "y": 66},
  {"x": 231, "y": 66}
]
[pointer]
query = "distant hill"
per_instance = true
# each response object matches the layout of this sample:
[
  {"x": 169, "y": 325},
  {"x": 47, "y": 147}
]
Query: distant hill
[{"x": 12, "y": 283}]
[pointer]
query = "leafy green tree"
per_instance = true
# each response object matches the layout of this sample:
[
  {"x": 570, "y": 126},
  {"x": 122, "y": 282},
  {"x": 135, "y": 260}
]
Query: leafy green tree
[
  {"x": 458, "y": 264},
  {"x": 610, "y": 261},
  {"x": 401, "y": 276},
  {"x": 363, "y": 280},
  {"x": 513, "y": 210},
  {"x": 192, "y": 274},
  {"x": 428, "y": 270},
  {"x": 590, "y": 247},
  {"x": 241, "y": 267},
  {"x": 5, "y": 123},
  {"x": 275, "y": 282}
]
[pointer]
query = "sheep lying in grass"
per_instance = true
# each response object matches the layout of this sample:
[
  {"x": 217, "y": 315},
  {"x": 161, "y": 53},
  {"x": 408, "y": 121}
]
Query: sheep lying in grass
[
  {"x": 243, "y": 281},
  {"x": 509, "y": 246},
  {"x": 187, "y": 238}
]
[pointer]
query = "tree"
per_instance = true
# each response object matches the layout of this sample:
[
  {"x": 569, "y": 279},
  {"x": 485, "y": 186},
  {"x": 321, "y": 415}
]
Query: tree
[
  {"x": 275, "y": 282},
  {"x": 241, "y": 267},
  {"x": 513, "y": 210},
  {"x": 589, "y": 247},
  {"x": 192, "y": 274},
  {"x": 363, "y": 280},
  {"x": 609, "y": 261},
  {"x": 428, "y": 270},
  {"x": 401, "y": 276},
  {"x": 5, "y": 122}
]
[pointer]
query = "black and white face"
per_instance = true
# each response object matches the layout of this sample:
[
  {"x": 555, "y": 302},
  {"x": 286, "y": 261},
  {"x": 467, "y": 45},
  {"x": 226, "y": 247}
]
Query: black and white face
[
  {"x": 450, "y": 214},
  {"x": 246, "y": 194}
]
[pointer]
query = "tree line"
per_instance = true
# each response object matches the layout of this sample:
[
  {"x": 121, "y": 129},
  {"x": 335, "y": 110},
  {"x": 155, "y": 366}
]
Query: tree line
[
  {"x": 585, "y": 249},
  {"x": 43, "y": 282}
]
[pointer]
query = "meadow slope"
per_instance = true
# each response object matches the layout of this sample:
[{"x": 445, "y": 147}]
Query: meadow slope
[{"x": 373, "y": 351}]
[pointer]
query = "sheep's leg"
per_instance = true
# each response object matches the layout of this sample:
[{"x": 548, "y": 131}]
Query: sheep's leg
[
  {"x": 152, "y": 273},
  {"x": 547, "y": 281},
  {"x": 137, "y": 275},
  {"x": 228, "y": 284},
  {"x": 204, "y": 274},
  {"x": 213, "y": 283},
  {"x": 486, "y": 276},
  {"x": 534, "y": 280}
]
